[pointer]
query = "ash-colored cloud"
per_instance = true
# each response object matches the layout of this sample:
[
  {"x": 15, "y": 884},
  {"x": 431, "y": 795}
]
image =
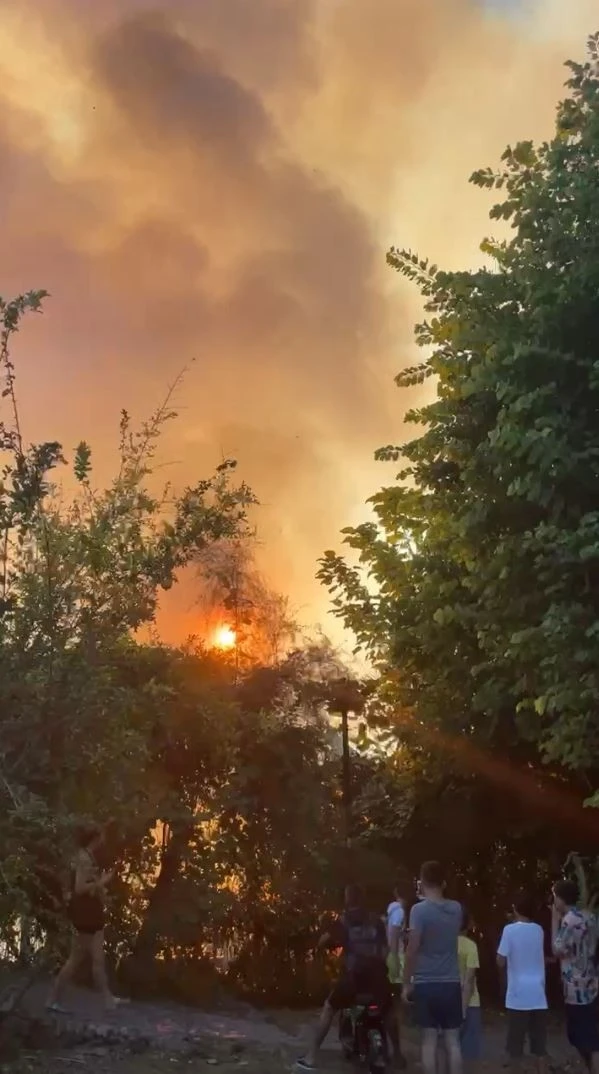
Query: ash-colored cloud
[{"x": 218, "y": 180}]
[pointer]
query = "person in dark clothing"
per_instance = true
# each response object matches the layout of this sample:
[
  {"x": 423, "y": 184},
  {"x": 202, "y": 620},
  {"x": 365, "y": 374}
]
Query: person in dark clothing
[
  {"x": 86, "y": 913},
  {"x": 363, "y": 939}
]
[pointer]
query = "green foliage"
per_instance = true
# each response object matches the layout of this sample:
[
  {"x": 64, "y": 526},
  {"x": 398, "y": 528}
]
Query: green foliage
[
  {"x": 481, "y": 608},
  {"x": 77, "y": 580},
  {"x": 219, "y": 782},
  {"x": 82, "y": 464},
  {"x": 474, "y": 590},
  {"x": 585, "y": 871}
]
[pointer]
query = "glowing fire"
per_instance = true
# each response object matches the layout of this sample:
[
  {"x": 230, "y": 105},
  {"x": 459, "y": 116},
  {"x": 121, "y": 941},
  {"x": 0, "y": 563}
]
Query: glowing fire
[{"x": 225, "y": 638}]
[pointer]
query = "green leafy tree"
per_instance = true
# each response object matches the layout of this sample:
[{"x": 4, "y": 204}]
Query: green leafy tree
[
  {"x": 247, "y": 787},
  {"x": 79, "y": 576},
  {"x": 475, "y": 590},
  {"x": 484, "y": 555}
]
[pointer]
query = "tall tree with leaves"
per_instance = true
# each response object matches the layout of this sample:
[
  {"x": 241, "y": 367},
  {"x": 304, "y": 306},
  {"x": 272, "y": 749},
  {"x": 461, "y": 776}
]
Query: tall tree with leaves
[
  {"x": 78, "y": 578},
  {"x": 485, "y": 553}
]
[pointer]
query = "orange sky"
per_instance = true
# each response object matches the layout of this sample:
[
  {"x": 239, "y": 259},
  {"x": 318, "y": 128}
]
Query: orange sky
[{"x": 219, "y": 179}]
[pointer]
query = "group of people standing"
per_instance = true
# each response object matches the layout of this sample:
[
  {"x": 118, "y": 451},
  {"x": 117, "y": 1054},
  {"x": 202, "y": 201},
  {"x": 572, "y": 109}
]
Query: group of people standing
[
  {"x": 521, "y": 955},
  {"x": 428, "y": 960}
]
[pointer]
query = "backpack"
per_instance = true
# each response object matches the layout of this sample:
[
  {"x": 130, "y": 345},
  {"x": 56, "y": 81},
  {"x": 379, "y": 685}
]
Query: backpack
[{"x": 363, "y": 942}]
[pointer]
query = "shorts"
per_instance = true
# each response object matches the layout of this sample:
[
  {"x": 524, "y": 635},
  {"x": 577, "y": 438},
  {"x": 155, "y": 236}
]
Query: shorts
[
  {"x": 350, "y": 987},
  {"x": 437, "y": 1004},
  {"x": 471, "y": 1034},
  {"x": 523, "y": 1024},
  {"x": 86, "y": 915},
  {"x": 581, "y": 1027}
]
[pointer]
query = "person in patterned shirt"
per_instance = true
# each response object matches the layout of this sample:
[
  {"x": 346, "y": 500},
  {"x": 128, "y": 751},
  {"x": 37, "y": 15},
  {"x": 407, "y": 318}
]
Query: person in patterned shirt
[{"x": 574, "y": 941}]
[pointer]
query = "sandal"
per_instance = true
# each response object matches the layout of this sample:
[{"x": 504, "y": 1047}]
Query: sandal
[{"x": 57, "y": 1008}]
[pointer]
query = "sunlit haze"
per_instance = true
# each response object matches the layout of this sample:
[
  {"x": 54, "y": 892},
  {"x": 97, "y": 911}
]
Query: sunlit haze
[{"x": 219, "y": 180}]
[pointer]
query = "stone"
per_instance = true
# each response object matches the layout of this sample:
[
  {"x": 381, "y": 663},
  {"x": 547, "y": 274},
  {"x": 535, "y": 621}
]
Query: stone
[{"x": 196, "y": 1050}]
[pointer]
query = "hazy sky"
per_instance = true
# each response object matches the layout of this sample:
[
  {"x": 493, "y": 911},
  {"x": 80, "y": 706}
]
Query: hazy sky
[{"x": 220, "y": 179}]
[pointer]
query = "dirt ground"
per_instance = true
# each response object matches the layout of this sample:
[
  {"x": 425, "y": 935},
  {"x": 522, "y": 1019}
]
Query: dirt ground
[
  {"x": 108, "y": 1061},
  {"x": 158, "y": 1038},
  {"x": 253, "y": 1059}
]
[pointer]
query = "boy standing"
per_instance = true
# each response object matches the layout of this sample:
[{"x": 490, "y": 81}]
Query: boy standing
[
  {"x": 471, "y": 1030},
  {"x": 521, "y": 951},
  {"x": 431, "y": 970}
]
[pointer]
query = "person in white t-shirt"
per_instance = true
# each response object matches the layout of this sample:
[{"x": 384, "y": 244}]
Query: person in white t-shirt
[{"x": 522, "y": 953}]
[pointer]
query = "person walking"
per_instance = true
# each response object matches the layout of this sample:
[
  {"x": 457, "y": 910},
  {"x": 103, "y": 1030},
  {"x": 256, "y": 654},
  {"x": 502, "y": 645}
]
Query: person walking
[
  {"x": 521, "y": 954},
  {"x": 431, "y": 969},
  {"x": 471, "y": 1030},
  {"x": 574, "y": 943},
  {"x": 86, "y": 913}
]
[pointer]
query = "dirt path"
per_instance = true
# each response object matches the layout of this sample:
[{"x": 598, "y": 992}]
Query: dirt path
[
  {"x": 239, "y": 1036},
  {"x": 165, "y": 1025}
]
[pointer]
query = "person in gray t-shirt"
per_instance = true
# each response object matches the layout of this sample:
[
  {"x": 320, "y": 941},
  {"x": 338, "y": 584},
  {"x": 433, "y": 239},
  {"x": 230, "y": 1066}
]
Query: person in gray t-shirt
[{"x": 431, "y": 969}]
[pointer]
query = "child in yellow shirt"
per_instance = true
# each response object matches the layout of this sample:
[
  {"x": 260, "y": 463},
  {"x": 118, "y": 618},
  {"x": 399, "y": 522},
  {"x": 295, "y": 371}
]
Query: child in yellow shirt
[{"x": 471, "y": 1032}]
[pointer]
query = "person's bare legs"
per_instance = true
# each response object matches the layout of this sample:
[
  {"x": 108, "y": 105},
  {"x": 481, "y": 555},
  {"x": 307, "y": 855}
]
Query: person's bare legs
[
  {"x": 99, "y": 974},
  {"x": 442, "y": 1056},
  {"x": 393, "y": 1023},
  {"x": 429, "y": 1051},
  {"x": 453, "y": 1049},
  {"x": 591, "y": 1061},
  {"x": 541, "y": 1065},
  {"x": 324, "y": 1024},
  {"x": 392, "y": 1027},
  {"x": 80, "y": 948}
]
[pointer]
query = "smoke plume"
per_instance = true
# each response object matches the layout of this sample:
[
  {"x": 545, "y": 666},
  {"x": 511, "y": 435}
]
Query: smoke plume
[{"x": 218, "y": 180}]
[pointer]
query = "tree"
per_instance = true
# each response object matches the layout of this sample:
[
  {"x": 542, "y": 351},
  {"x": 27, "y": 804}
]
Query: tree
[
  {"x": 234, "y": 593},
  {"x": 78, "y": 578},
  {"x": 486, "y": 553},
  {"x": 248, "y": 805},
  {"x": 475, "y": 594}
]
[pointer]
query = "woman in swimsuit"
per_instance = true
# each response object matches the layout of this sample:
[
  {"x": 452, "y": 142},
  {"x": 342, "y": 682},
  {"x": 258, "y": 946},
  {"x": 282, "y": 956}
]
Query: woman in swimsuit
[{"x": 86, "y": 913}]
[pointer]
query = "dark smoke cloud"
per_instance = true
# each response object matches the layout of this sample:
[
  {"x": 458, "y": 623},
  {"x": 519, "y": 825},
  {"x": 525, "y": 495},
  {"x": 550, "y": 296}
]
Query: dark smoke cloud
[
  {"x": 218, "y": 180},
  {"x": 169, "y": 89}
]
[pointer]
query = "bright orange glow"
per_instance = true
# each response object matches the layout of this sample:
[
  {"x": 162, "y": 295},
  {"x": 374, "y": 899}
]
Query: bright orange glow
[{"x": 225, "y": 638}]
